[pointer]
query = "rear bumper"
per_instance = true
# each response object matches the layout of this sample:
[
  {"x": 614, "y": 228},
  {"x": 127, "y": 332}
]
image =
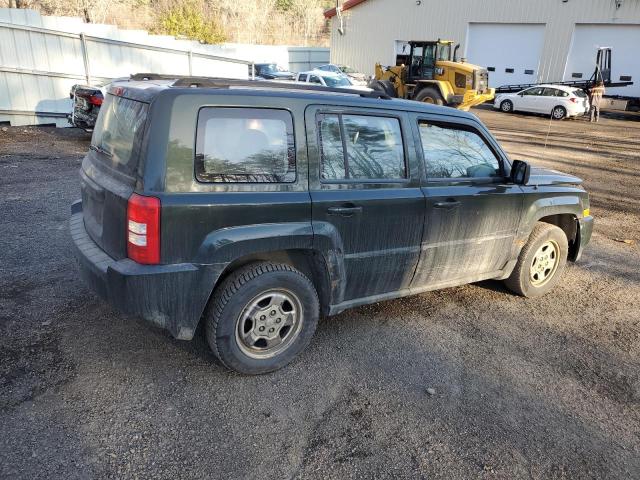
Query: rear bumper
[
  {"x": 577, "y": 111},
  {"x": 170, "y": 296}
]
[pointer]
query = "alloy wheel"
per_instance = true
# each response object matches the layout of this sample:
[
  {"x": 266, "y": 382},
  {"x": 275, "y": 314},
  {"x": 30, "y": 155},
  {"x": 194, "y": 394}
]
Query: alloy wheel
[{"x": 269, "y": 323}]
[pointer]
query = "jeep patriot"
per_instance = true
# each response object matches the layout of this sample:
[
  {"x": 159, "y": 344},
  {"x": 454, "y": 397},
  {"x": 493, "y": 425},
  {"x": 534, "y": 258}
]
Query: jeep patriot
[{"x": 256, "y": 207}]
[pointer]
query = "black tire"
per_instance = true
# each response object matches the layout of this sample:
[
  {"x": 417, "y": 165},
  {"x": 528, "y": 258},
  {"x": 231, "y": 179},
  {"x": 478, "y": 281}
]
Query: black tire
[
  {"x": 242, "y": 289},
  {"x": 506, "y": 106},
  {"x": 559, "y": 113},
  {"x": 384, "y": 86},
  {"x": 429, "y": 95},
  {"x": 521, "y": 280}
]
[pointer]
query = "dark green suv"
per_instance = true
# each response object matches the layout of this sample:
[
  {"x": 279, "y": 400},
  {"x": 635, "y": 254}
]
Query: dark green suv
[{"x": 257, "y": 207}]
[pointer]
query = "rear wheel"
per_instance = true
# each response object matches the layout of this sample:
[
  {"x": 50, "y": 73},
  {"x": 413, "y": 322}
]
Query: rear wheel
[
  {"x": 506, "y": 106},
  {"x": 429, "y": 95},
  {"x": 541, "y": 261},
  {"x": 558, "y": 113},
  {"x": 261, "y": 317}
]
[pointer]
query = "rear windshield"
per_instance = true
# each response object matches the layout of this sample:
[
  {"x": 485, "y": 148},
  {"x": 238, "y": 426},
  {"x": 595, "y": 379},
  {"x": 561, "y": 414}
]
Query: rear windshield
[
  {"x": 118, "y": 132},
  {"x": 580, "y": 93}
]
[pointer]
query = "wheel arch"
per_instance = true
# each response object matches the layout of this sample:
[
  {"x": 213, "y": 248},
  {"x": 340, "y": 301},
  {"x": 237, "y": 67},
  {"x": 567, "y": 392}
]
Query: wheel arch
[
  {"x": 562, "y": 211},
  {"x": 438, "y": 85},
  {"x": 308, "y": 261},
  {"x": 568, "y": 223}
]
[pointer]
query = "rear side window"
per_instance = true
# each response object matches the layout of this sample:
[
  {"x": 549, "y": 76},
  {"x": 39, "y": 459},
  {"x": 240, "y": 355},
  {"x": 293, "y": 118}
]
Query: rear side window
[
  {"x": 533, "y": 91},
  {"x": 117, "y": 135},
  {"x": 246, "y": 145},
  {"x": 451, "y": 152},
  {"x": 554, "y": 92},
  {"x": 360, "y": 147}
]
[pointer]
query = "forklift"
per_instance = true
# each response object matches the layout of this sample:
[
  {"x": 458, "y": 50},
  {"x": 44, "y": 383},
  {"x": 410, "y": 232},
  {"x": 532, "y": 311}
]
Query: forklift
[{"x": 601, "y": 73}]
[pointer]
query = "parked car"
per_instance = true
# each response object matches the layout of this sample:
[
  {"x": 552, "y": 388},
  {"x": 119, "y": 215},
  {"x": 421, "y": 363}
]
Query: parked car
[
  {"x": 328, "y": 79},
  {"x": 85, "y": 105},
  {"x": 559, "y": 101},
  {"x": 356, "y": 77},
  {"x": 271, "y": 71},
  {"x": 86, "y": 101},
  {"x": 257, "y": 209}
]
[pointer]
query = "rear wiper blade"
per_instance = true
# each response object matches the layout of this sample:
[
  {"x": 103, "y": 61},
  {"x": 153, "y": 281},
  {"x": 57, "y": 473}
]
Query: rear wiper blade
[{"x": 95, "y": 148}]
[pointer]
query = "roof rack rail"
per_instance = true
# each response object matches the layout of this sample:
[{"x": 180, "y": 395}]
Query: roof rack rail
[
  {"x": 153, "y": 76},
  {"x": 216, "y": 82}
]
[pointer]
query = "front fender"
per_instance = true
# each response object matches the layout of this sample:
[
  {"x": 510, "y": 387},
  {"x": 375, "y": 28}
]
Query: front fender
[{"x": 561, "y": 203}]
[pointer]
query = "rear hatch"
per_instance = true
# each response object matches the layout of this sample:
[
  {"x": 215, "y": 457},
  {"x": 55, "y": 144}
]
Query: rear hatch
[{"x": 110, "y": 171}]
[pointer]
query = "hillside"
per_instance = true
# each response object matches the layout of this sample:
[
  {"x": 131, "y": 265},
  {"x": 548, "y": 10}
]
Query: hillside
[{"x": 290, "y": 22}]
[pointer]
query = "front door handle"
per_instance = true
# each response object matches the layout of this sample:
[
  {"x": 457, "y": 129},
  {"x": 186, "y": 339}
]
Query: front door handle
[
  {"x": 448, "y": 205},
  {"x": 344, "y": 211}
]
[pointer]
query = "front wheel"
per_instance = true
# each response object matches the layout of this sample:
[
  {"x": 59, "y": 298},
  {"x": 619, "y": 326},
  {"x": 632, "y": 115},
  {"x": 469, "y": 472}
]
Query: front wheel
[
  {"x": 506, "y": 106},
  {"x": 429, "y": 95},
  {"x": 261, "y": 317},
  {"x": 541, "y": 262}
]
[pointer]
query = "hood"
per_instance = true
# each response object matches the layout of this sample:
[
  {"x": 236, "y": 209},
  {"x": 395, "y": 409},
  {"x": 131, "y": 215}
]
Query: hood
[
  {"x": 279, "y": 75},
  {"x": 358, "y": 76},
  {"x": 460, "y": 66},
  {"x": 546, "y": 176},
  {"x": 358, "y": 79}
]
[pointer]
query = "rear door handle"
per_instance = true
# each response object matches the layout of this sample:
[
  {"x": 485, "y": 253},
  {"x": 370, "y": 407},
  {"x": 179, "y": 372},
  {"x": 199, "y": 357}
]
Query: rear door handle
[
  {"x": 346, "y": 211},
  {"x": 448, "y": 205}
]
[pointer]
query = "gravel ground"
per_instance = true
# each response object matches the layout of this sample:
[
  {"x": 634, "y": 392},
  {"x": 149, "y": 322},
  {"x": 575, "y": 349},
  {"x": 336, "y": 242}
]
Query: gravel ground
[{"x": 467, "y": 382}]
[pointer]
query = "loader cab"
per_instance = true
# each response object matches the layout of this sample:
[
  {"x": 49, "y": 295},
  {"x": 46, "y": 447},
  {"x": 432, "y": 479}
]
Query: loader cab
[{"x": 423, "y": 57}]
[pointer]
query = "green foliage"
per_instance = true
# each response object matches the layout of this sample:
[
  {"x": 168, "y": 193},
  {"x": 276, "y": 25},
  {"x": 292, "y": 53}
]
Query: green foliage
[
  {"x": 187, "y": 20},
  {"x": 284, "y": 5}
]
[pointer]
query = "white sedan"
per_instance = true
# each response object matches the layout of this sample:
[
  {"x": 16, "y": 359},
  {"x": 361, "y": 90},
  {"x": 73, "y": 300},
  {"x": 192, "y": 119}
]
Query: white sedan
[{"x": 559, "y": 101}]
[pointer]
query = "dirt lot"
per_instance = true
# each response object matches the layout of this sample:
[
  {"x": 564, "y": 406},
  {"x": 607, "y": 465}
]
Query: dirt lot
[{"x": 543, "y": 388}]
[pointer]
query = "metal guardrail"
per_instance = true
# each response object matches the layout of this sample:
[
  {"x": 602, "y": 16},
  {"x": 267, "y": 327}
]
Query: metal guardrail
[{"x": 86, "y": 76}]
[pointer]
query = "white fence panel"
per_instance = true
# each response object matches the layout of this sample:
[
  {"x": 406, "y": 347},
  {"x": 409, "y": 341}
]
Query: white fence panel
[{"x": 42, "y": 57}]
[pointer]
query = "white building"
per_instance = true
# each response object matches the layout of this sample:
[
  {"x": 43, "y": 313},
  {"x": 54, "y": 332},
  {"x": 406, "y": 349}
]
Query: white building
[{"x": 519, "y": 41}]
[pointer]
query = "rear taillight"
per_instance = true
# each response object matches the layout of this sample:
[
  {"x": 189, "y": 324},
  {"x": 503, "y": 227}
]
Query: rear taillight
[
  {"x": 574, "y": 99},
  {"x": 95, "y": 100},
  {"x": 143, "y": 229}
]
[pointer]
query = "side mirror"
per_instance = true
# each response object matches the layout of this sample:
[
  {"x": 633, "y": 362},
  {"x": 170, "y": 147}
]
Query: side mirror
[
  {"x": 520, "y": 172},
  {"x": 521, "y": 94}
]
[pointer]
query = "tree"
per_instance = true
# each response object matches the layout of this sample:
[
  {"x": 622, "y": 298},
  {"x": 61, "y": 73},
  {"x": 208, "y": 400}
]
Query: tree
[{"x": 188, "y": 20}]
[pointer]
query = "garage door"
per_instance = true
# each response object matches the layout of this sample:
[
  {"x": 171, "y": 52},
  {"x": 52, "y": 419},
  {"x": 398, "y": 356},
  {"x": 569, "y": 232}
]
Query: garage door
[
  {"x": 511, "y": 51},
  {"x": 624, "y": 41}
]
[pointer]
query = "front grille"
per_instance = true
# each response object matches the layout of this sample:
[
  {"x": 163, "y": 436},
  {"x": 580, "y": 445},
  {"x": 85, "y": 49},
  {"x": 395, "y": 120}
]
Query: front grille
[{"x": 481, "y": 80}]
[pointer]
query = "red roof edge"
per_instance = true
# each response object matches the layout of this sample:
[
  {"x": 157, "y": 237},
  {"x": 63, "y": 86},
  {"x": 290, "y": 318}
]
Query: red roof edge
[{"x": 345, "y": 6}]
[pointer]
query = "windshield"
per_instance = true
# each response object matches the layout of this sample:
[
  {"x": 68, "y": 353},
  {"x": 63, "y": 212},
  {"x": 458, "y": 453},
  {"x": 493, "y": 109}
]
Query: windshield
[
  {"x": 336, "y": 81},
  {"x": 580, "y": 93},
  {"x": 444, "y": 51},
  {"x": 118, "y": 132}
]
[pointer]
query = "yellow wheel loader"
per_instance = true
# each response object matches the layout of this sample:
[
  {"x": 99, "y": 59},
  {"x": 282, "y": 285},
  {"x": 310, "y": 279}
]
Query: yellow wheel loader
[{"x": 431, "y": 73}]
